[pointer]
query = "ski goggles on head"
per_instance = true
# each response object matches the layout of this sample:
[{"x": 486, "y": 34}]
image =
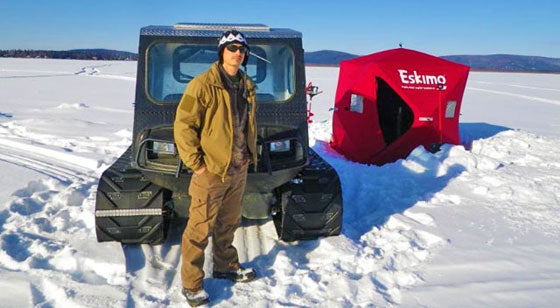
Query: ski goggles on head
[{"x": 234, "y": 48}]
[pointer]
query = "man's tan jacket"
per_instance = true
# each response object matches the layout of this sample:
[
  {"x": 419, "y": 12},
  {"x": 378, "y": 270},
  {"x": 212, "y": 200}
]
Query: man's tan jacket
[{"x": 203, "y": 128}]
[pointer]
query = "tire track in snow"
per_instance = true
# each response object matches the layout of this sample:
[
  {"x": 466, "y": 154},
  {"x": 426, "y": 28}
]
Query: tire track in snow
[
  {"x": 517, "y": 86},
  {"x": 59, "y": 173},
  {"x": 157, "y": 269},
  {"x": 532, "y": 98},
  {"x": 153, "y": 272},
  {"x": 251, "y": 242},
  {"x": 62, "y": 166},
  {"x": 153, "y": 268},
  {"x": 69, "y": 159},
  {"x": 46, "y": 228}
]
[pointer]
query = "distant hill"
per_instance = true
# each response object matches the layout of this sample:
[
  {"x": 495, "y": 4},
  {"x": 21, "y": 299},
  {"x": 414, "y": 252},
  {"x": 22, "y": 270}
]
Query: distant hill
[
  {"x": 508, "y": 63},
  {"x": 327, "y": 57},
  {"x": 498, "y": 62}
]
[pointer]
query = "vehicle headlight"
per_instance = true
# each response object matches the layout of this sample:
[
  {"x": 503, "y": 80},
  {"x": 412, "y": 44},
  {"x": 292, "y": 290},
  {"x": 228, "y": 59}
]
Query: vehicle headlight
[
  {"x": 159, "y": 148},
  {"x": 280, "y": 146}
]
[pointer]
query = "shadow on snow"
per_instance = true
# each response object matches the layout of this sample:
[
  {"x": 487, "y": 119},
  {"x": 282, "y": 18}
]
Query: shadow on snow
[
  {"x": 372, "y": 194},
  {"x": 470, "y": 132}
]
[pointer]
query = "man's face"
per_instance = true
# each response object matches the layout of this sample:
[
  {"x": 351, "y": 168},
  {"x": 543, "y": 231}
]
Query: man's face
[{"x": 234, "y": 54}]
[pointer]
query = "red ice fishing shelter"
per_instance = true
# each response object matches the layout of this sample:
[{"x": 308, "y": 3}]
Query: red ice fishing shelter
[{"x": 390, "y": 102}]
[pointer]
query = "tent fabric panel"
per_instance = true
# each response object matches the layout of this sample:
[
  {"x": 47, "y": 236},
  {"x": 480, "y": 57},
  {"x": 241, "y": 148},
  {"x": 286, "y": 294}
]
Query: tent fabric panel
[{"x": 354, "y": 134}]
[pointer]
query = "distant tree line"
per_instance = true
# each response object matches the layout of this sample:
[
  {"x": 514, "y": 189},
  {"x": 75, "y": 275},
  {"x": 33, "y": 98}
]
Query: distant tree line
[
  {"x": 79, "y": 54},
  {"x": 498, "y": 62}
]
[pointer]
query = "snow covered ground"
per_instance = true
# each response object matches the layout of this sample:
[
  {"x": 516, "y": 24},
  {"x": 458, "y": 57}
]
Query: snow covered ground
[{"x": 474, "y": 225}]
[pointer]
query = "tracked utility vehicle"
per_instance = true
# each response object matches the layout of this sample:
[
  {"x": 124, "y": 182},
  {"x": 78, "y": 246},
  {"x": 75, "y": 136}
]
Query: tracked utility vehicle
[{"x": 146, "y": 187}]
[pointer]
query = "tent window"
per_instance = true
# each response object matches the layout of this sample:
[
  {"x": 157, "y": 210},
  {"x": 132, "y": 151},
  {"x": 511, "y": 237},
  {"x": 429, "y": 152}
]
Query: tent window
[
  {"x": 357, "y": 103},
  {"x": 395, "y": 117},
  {"x": 450, "y": 109}
]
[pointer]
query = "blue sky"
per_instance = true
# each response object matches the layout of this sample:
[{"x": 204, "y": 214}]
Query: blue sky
[{"x": 359, "y": 27}]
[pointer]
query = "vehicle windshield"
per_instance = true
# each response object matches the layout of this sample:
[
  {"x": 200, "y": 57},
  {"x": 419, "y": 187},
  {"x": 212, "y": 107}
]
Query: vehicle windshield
[{"x": 171, "y": 66}]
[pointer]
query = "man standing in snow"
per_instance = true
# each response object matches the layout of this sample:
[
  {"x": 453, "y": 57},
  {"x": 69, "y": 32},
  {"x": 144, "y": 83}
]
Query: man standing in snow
[{"x": 215, "y": 133}]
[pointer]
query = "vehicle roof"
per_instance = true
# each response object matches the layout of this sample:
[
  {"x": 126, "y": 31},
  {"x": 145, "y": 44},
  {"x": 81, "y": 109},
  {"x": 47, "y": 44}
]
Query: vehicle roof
[{"x": 215, "y": 30}]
